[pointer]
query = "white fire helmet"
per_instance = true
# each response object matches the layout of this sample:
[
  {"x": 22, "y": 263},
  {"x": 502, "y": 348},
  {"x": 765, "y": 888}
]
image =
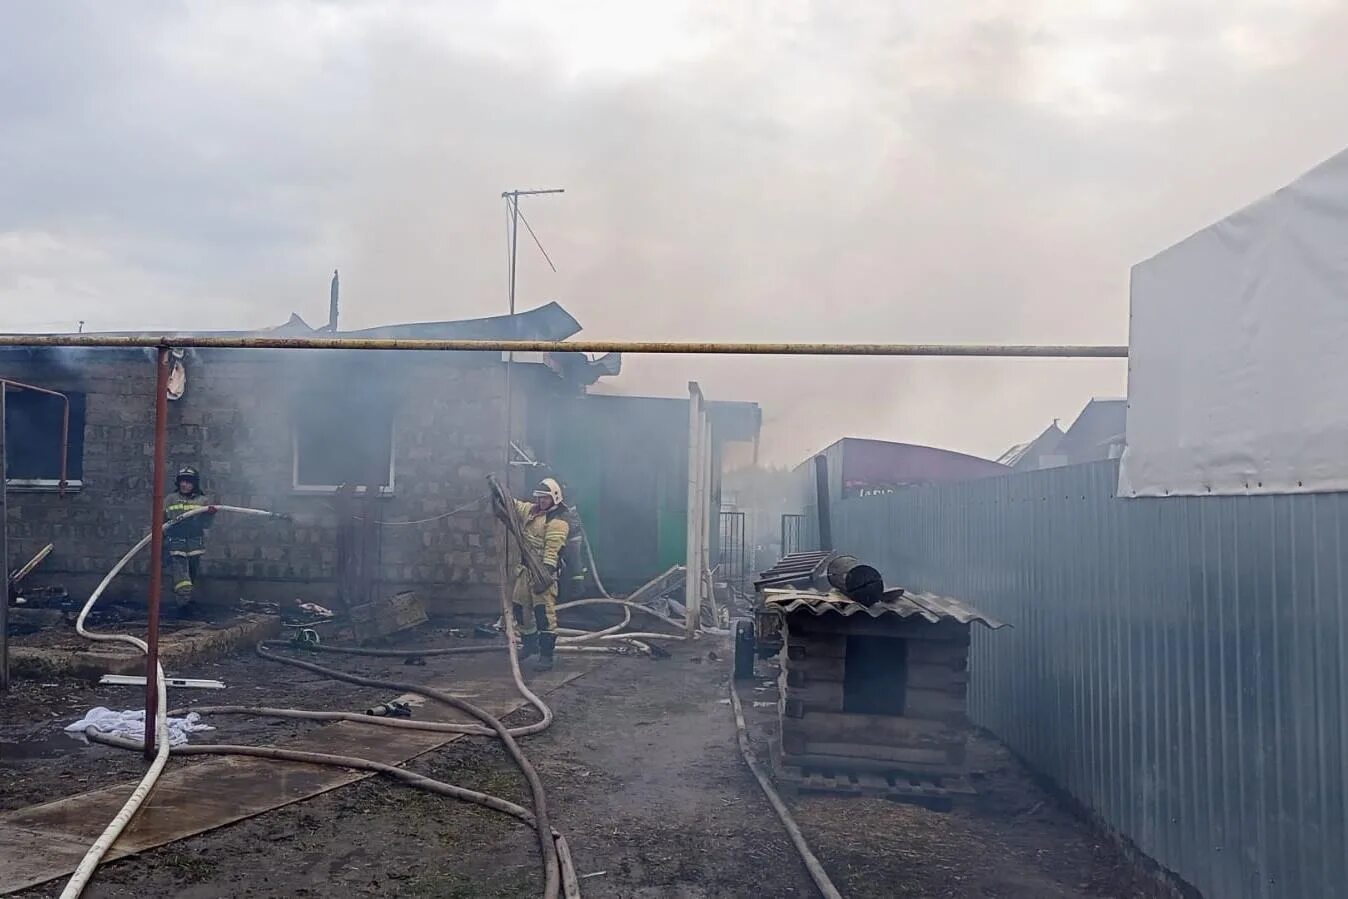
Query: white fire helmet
[{"x": 549, "y": 488}]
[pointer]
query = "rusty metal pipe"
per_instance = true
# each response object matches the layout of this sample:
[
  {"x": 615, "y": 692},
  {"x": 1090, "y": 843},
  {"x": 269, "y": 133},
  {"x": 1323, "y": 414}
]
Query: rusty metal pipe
[
  {"x": 659, "y": 347},
  {"x": 156, "y": 544}
]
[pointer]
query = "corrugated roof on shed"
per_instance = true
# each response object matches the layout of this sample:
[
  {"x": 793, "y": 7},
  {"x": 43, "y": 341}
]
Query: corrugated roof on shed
[{"x": 901, "y": 603}]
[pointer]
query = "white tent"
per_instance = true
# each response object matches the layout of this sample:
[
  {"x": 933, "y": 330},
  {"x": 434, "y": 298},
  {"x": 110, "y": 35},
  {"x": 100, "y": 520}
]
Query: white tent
[{"x": 1238, "y": 352}]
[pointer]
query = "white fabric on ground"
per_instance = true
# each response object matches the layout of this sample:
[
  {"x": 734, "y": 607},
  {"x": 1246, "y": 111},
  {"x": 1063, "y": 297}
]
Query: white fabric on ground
[{"x": 131, "y": 724}]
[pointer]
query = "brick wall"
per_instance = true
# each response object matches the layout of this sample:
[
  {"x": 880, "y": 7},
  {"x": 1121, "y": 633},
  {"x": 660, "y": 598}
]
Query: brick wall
[{"x": 235, "y": 425}]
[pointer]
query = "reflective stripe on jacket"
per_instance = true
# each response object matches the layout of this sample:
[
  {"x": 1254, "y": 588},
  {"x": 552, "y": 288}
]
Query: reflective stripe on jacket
[
  {"x": 545, "y": 533},
  {"x": 190, "y": 535}
]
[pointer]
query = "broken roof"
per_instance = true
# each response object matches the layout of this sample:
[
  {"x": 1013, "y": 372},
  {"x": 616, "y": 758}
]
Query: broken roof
[
  {"x": 1046, "y": 442},
  {"x": 550, "y": 322},
  {"x": 1101, "y": 422},
  {"x": 896, "y": 602}
]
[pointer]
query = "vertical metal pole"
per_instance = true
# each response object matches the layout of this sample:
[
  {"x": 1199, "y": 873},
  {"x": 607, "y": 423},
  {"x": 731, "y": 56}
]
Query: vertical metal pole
[
  {"x": 822, "y": 503},
  {"x": 507, "y": 582},
  {"x": 156, "y": 545},
  {"x": 4, "y": 552},
  {"x": 514, "y": 244},
  {"x": 692, "y": 593}
]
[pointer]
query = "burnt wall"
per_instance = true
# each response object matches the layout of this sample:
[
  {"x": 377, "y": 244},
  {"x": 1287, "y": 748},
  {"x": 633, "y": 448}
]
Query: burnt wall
[{"x": 235, "y": 424}]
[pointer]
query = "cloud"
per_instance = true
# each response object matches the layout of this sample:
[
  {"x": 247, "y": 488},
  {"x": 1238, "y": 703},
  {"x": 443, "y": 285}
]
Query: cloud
[{"x": 980, "y": 172}]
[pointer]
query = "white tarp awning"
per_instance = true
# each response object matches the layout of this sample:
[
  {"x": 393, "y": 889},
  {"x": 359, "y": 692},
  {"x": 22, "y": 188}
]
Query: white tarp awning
[{"x": 1238, "y": 351}]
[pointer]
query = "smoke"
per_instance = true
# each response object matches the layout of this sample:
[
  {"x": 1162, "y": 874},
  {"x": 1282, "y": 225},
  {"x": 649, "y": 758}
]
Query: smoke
[{"x": 983, "y": 173}]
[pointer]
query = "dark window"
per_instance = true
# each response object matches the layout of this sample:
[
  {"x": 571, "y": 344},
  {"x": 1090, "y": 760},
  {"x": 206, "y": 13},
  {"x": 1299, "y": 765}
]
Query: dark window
[
  {"x": 33, "y": 424},
  {"x": 343, "y": 441},
  {"x": 875, "y": 675}
]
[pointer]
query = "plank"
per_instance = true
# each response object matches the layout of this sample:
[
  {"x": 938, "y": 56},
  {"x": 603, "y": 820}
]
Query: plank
[
  {"x": 882, "y": 729},
  {"x": 935, "y": 791},
  {"x": 937, "y": 677},
  {"x": 949, "y": 756},
  {"x": 915, "y": 628},
  {"x": 818, "y": 668},
  {"x": 935, "y": 705},
  {"x": 827, "y": 646},
  {"x": 943, "y": 653},
  {"x": 823, "y": 696}
]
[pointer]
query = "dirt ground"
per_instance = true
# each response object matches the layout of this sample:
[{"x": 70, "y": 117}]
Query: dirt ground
[{"x": 643, "y": 776}]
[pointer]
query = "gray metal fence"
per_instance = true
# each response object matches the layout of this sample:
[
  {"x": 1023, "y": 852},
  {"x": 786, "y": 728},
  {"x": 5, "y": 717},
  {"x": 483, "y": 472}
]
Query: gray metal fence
[{"x": 1179, "y": 665}]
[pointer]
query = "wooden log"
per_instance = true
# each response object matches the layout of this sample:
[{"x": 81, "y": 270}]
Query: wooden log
[
  {"x": 858, "y": 581},
  {"x": 935, "y": 705},
  {"x": 914, "y": 628},
  {"x": 823, "y": 696},
  {"x": 937, "y": 677},
  {"x": 889, "y": 730},
  {"x": 824, "y": 646},
  {"x": 819, "y": 668},
  {"x": 946, "y": 654},
  {"x": 801, "y": 678}
]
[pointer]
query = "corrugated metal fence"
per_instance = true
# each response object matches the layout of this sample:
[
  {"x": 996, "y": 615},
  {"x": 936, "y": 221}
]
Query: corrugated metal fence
[{"x": 1179, "y": 665}]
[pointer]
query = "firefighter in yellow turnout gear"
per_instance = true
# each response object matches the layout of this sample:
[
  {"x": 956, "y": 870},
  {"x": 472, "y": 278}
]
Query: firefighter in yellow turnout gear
[
  {"x": 546, "y": 528},
  {"x": 185, "y": 543}
]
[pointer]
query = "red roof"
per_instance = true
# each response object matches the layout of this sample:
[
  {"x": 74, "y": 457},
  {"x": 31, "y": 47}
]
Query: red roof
[{"x": 882, "y": 462}]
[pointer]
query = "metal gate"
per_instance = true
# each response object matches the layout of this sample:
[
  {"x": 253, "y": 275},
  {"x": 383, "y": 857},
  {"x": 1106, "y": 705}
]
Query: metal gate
[
  {"x": 793, "y": 534},
  {"x": 734, "y": 560}
]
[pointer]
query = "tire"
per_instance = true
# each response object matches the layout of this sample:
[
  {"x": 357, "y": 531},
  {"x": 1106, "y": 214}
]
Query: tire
[{"x": 745, "y": 649}]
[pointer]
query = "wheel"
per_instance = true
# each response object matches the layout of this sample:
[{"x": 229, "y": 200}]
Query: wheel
[{"x": 744, "y": 649}]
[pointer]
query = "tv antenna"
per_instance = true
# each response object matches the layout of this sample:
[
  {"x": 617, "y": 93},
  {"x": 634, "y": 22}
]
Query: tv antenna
[{"x": 512, "y": 198}]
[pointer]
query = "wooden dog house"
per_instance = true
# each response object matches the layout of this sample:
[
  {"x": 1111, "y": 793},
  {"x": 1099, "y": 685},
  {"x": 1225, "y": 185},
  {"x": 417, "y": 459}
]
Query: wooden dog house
[{"x": 873, "y": 696}]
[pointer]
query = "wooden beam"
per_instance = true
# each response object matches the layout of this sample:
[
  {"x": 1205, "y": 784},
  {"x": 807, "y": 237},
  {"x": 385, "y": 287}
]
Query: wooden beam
[
  {"x": 848, "y": 727},
  {"x": 914, "y": 628}
]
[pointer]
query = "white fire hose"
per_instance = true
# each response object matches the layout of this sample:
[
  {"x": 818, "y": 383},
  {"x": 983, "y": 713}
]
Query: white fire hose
[{"x": 89, "y": 863}]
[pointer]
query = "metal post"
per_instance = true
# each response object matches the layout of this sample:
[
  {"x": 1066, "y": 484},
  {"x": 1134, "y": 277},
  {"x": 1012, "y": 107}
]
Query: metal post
[
  {"x": 4, "y": 553},
  {"x": 514, "y": 255},
  {"x": 822, "y": 503},
  {"x": 513, "y": 198},
  {"x": 692, "y": 593},
  {"x": 156, "y": 545}
]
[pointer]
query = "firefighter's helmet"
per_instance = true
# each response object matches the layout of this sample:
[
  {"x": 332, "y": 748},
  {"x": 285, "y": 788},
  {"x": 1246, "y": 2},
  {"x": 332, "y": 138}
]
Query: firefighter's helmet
[
  {"x": 188, "y": 473},
  {"x": 550, "y": 488}
]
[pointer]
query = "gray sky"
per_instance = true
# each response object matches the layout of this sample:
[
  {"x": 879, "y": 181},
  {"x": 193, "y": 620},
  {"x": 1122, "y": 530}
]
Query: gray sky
[{"x": 875, "y": 171}]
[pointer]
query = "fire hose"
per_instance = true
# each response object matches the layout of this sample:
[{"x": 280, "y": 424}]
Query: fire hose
[
  {"x": 570, "y": 882},
  {"x": 552, "y": 847},
  {"x": 817, "y": 873},
  {"x": 558, "y": 872},
  {"x": 89, "y": 863}
]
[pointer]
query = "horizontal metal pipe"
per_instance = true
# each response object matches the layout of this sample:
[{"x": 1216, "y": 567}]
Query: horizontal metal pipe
[{"x": 578, "y": 346}]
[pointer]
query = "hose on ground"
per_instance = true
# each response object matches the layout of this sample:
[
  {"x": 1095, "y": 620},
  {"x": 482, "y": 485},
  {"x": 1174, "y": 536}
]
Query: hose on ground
[
  {"x": 817, "y": 873},
  {"x": 589, "y": 555},
  {"x": 546, "y": 847},
  {"x": 555, "y": 872},
  {"x": 85, "y": 870},
  {"x": 570, "y": 882},
  {"x": 578, "y": 603}
]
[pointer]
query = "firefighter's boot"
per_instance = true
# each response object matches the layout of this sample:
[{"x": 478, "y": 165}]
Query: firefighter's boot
[
  {"x": 547, "y": 644},
  {"x": 530, "y": 646}
]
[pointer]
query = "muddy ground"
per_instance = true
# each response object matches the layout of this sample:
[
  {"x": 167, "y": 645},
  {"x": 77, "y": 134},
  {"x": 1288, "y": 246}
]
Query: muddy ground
[{"x": 643, "y": 776}]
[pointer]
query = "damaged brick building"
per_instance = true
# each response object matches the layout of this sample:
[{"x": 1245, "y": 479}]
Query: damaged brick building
[{"x": 281, "y": 431}]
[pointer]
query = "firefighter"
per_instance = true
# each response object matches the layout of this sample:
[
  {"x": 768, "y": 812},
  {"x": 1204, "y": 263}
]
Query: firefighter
[
  {"x": 573, "y": 570},
  {"x": 185, "y": 542},
  {"x": 546, "y": 529}
]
